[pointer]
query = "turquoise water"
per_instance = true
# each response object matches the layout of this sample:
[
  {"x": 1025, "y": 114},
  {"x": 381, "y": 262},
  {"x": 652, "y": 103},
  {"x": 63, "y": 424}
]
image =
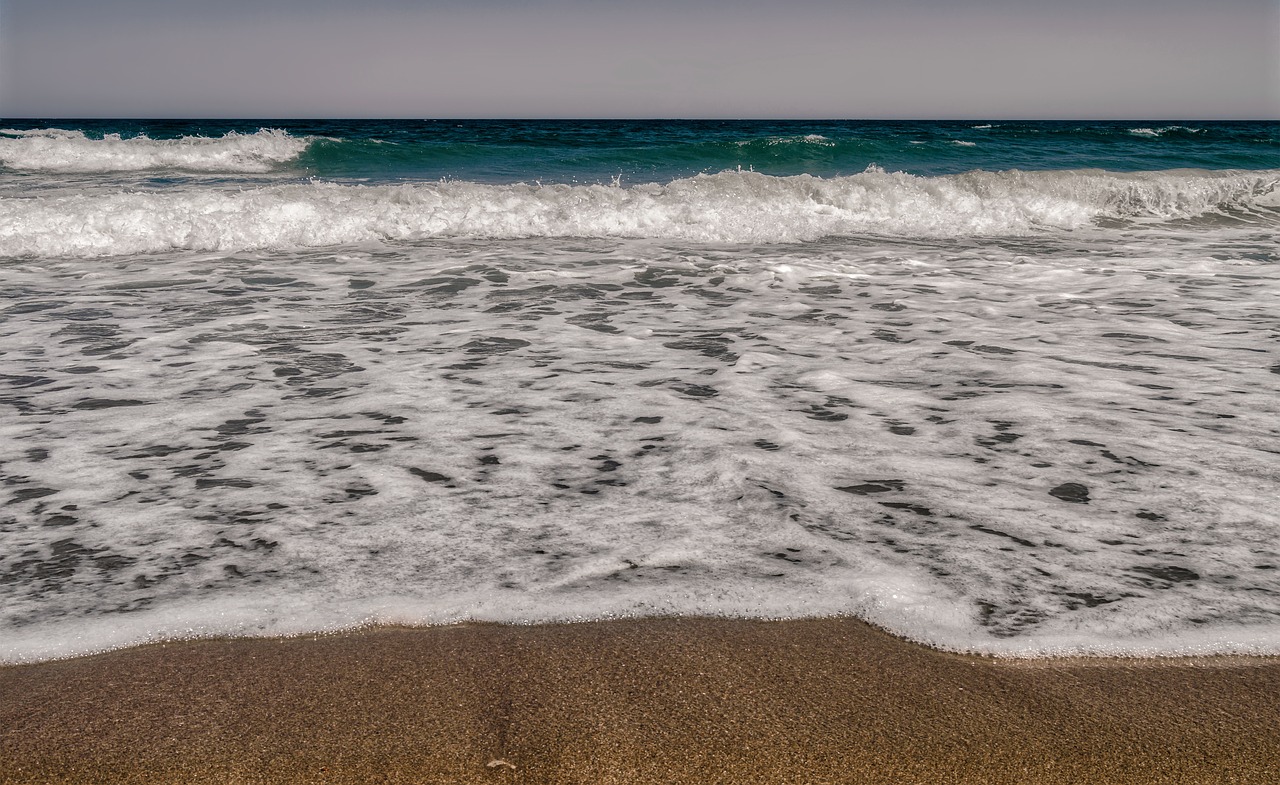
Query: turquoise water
[{"x": 998, "y": 387}]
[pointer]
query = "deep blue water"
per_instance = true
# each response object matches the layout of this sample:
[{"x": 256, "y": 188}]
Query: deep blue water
[{"x": 637, "y": 151}]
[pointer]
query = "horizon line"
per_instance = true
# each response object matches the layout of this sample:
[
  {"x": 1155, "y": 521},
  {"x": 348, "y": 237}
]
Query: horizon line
[{"x": 567, "y": 118}]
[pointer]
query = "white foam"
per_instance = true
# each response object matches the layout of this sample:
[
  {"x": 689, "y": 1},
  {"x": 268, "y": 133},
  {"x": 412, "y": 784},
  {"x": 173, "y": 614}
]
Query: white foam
[
  {"x": 813, "y": 139},
  {"x": 53, "y": 133},
  {"x": 264, "y": 484},
  {"x": 58, "y": 150},
  {"x": 732, "y": 207},
  {"x": 1164, "y": 130}
]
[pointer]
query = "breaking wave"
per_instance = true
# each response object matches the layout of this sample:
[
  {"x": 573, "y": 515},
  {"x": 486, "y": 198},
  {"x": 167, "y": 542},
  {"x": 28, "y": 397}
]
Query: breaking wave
[
  {"x": 810, "y": 139},
  {"x": 729, "y": 207},
  {"x": 1168, "y": 129},
  {"x": 62, "y": 151}
]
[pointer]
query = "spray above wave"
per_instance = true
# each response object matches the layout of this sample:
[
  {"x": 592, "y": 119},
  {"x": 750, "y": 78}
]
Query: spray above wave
[
  {"x": 60, "y": 151},
  {"x": 730, "y": 207}
]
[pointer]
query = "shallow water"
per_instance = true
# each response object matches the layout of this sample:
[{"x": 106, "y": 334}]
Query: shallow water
[{"x": 1060, "y": 439}]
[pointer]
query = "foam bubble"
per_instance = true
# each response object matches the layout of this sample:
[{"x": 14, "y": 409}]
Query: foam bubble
[
  {"x": 730, "y": 207},
  {"x": 59, "y": 150}
]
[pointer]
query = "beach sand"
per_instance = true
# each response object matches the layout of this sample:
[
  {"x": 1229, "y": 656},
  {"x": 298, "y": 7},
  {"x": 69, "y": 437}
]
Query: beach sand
[{"x": 650, "y": 701}]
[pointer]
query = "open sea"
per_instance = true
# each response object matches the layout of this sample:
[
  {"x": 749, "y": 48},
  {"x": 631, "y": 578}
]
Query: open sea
[{"x": 1006, "y": 387}]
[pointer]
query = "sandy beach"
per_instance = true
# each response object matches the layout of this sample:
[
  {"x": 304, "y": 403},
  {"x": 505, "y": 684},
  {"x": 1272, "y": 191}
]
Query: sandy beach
[{"x": 652, "y": 701}]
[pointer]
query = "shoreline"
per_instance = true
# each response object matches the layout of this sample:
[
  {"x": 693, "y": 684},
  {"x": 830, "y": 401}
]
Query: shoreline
[{"x": 673, "y": 700}]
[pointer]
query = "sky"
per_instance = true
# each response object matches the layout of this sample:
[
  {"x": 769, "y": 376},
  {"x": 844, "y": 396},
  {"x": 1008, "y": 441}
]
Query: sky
[{"x": 907, "y": 59}]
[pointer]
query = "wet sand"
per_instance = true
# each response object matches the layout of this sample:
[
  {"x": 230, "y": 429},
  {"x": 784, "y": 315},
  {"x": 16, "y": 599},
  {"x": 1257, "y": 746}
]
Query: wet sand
[{"x": 653, "y": 701}]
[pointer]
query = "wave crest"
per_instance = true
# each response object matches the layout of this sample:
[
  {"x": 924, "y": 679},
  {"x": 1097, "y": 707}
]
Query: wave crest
[
  {"x": 59, "y": 150},
  {"x": 729, "y": 207},
  {"x": 1168, "y": 129}
]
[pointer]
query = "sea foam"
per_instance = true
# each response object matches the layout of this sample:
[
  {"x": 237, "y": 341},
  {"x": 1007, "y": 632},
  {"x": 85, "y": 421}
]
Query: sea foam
[
  {"x": 1023, "y": 413},
  {"x": 1054, "y": 446},
  {"x": 58, "y": 150},
  {"x": 729, "y": 207}
]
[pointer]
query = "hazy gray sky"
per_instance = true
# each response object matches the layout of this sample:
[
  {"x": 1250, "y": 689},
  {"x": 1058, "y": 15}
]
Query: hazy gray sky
[{"x": 658, "y": 58}]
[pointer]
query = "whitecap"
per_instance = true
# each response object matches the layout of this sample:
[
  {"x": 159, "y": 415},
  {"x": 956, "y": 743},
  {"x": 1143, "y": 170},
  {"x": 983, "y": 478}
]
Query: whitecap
[
  {"x": 1162, "y": 131},
  {"x": 813, "y": 139},
  {"x": 62, "y": 151}
]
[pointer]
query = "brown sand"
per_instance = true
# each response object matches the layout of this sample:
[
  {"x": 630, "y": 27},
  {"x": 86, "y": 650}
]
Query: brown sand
[{"x": 657, "y": 701}]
